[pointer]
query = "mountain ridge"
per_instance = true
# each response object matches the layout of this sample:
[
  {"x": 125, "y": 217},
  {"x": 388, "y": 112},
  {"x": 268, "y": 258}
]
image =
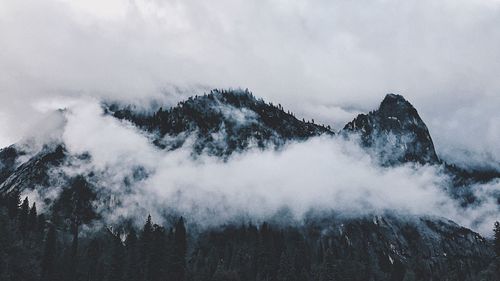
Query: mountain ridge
[
  {"x": 243, "y": 119},
  {"x": 213, "y": 119},
  {"x": 389, "y": 246}
]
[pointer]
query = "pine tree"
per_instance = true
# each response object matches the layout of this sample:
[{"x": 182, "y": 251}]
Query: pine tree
[
  {"x": 13, "y": 202},
  {"x": 162, "y": 255},
  {"x": 146, "y": 242},
  {"x": 41, "y": 223},
  {"x": 320, "y": 254},
  {"x": 222, "y": 274},
  {"x": 117, "y": 260},
  {"x": 32, "y": 218},
  {"x": 328, "y": 270},
  {"x": 180, "y": 248},
  {"x": 286, "y": 268},
  {"x": 265, "y": 247},
  {"x": 93, "y": 253},
  {"x": 132, "y": 271},
  {"x": 23, "y": 216},
  {"x": 48, "y": 263},
  {"x": 496, "y": 237},
  {"x": 75, "y": 205}
]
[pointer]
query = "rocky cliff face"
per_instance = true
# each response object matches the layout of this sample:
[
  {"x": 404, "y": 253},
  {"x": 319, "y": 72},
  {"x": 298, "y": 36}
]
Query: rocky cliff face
[
  {"x": 33, "y": 173},
  {"x": 395, "y": 133}
]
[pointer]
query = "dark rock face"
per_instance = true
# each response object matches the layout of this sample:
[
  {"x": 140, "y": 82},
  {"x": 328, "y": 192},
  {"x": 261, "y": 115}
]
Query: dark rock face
[
  {"x": 395, "y": 133},
  {"x": 223, "y": 122},
  {"x": 34, "y": 172}
]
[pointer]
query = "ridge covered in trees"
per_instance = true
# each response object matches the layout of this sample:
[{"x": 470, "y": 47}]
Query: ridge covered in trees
[
  {"x": 63, "y": 238},
  {"x": 237, "y": 115},
  {"x": 44, "y": 247}
]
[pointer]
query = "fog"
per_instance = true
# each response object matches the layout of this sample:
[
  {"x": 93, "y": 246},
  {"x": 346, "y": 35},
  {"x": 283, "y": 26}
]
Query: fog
[
  {"x": 327, "y": 60},
  {"x": 324, "y": 173}
]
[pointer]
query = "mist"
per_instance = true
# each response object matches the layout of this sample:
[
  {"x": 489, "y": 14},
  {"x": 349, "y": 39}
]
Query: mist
[
  {"x": 327, "y": 60},
  {"x": 324, "y": 174}
]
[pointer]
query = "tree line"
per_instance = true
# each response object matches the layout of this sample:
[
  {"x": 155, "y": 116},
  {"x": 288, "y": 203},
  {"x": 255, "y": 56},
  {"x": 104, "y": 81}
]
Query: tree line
[{"x": 53, "y": 247}]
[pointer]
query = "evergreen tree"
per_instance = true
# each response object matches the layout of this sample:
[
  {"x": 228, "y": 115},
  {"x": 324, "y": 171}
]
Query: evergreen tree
[
  {"x": 117, "y": 260},
  {"x": 180, "y": 248},
  {"x": 132, "y": 270},
  {"x": 286, "y": 270},
  {"x": 265, "y": 264},
  {"x": 222, "y": 274},
  {"x": 93, "y": 253},
  {"x": 146, "y": 242},
  {"x": 328, "y": 270},
  {"x": 148, "y": 228},
  {"x": 32, "y": 218},
  {"x": 496, "y": 237},
  {"x": 23, "y": 216},
  {"x": 48, "y": 263},
  {"x": 41, "y": 223},
  {"x": 13, "y": 202},
  {"x": 75, "y": 206},
  {"x": 320, "y": 254},
  {"x": 158, "y": 262}
]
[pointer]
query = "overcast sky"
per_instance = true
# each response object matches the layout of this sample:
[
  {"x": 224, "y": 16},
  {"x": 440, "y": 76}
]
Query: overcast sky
[{"x": 323, "y": 59}]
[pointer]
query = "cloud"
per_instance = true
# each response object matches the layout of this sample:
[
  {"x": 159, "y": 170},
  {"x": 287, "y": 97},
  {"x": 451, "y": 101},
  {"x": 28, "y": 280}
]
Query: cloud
[
  {"x": 310, "y": 56},
  {"x": 326, "y": 60},
  {"x": 324, "y": 173}
]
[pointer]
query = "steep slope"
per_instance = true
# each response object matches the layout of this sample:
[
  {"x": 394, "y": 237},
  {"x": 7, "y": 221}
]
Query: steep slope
[
  {"x": 222, "y": 122},
  {"x": 8, "y": 161},
  {"x": 34, "y": 172},
  {"x": 395, "y": 133}
]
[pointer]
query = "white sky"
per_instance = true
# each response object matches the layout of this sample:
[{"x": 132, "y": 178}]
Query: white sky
[{"x": 325, "y": 60}]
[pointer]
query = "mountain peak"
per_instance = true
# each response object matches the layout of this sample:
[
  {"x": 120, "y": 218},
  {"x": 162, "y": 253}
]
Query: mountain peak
[
  {"x": 391, "y": 97},
  {"x": 223, "y": 121},
  {"x": 395, "y": 132},
  {"x": 396, "y": 106}
]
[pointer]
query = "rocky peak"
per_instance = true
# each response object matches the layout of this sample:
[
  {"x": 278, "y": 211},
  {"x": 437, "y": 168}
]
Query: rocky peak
[{"x": 395, "y": 133}]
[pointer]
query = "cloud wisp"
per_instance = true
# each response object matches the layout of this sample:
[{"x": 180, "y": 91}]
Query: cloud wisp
[
  {"x": 326, "y": 60},
  {"x": 324, "y": 173}
]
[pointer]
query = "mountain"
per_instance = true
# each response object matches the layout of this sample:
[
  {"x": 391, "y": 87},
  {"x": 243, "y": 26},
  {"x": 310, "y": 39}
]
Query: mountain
[
  {"x": 222, "y": 122},
  {"x": 32, "y": 173},
  {"x": 387, "y": 246},
  {"x": 395, "y": 133},
  {"x": 8, "y": 157}
]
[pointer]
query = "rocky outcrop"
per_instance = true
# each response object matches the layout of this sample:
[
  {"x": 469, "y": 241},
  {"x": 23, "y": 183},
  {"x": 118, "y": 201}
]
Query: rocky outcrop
[{"x": 395, "y": 133}]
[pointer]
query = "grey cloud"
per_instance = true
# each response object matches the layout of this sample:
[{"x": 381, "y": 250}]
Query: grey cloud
[
  {"x": 323, "y": 173},
  {"x": 442, "y": 55},
  {"x": 326, "y": 60}
]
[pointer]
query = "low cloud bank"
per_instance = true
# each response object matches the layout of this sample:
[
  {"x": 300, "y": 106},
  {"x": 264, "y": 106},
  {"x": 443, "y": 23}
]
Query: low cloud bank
[{"x": 323, "y": 174}]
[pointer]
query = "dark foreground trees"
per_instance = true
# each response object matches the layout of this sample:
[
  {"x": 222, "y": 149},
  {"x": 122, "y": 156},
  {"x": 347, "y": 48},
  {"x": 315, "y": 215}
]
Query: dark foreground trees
[
  {"x": 55, "y": 252},
  {"x": 39, "y": 249}
]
